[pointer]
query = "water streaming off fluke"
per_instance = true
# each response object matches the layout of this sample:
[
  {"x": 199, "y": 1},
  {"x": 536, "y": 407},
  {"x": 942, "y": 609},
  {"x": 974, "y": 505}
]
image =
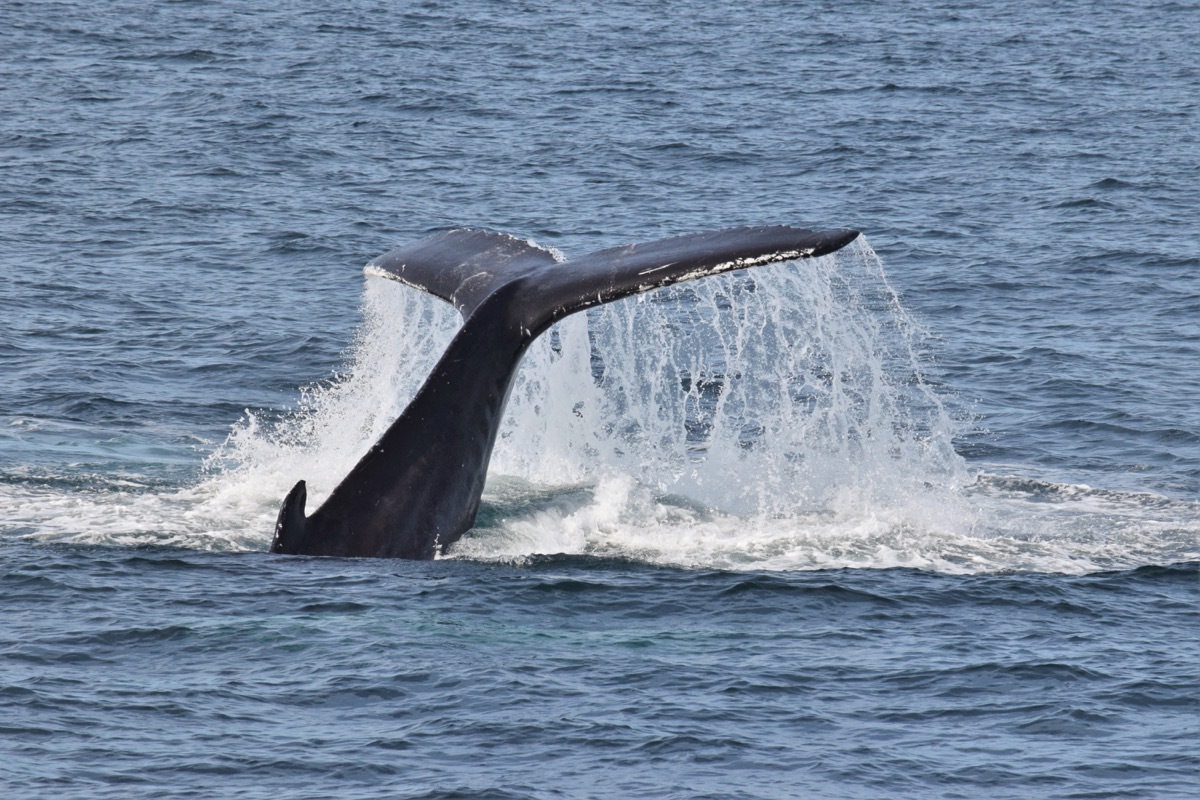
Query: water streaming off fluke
[
  {"x": 780, "y": 418},
  {"x": 777, "y": 418}
]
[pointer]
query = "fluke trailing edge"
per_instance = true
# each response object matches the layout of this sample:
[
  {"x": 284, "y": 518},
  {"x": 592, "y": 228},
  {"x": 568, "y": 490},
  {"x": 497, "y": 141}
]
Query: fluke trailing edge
[{"x": 417, "y": 490}]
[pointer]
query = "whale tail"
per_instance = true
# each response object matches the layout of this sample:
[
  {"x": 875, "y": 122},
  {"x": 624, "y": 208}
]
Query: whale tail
[
  {"x": 466, "y": 266},
  {"x": 418, "y": 488}
]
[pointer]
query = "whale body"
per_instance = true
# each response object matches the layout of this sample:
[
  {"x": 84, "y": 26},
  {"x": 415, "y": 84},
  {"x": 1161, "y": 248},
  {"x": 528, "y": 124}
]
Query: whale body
[{"x": 417, "y": 489}]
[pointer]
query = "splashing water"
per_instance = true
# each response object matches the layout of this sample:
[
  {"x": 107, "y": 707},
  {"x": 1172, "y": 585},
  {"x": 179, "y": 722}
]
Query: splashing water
[
  {"x": 776, "y": 418},
  {"x": 736, "y": 421},
  {"x": 765, "y": 393}
]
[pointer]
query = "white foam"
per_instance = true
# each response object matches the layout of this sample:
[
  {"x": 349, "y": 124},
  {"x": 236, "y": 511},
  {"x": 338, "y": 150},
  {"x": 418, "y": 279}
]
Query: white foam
[
  {"x": 969, "y": 534},
  {"x": 776, "y": 419}
]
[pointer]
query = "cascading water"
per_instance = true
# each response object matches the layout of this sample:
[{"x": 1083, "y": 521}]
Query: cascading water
[
  {"x": 724, "y": 421},
  {"x": 768, "y": 392},
  {"x": 776, "y": 418},
  {"x": 717, "y": 422}
]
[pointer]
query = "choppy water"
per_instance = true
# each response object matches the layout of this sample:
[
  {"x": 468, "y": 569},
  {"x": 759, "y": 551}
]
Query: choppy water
[{"x": 920, "y": 519}]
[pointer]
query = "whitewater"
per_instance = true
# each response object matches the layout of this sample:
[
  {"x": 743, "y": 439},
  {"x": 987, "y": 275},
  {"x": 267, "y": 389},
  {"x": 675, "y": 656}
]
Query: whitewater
[
  {"x": 776, "y": 419},
  {"x": 920, "y": 519}
]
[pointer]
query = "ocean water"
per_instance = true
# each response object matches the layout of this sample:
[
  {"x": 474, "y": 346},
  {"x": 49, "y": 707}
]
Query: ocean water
[{"x": 917, "y": 519}]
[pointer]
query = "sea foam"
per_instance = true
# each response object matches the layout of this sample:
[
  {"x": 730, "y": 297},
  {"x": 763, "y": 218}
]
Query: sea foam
[{"x": 776, "y": 418}]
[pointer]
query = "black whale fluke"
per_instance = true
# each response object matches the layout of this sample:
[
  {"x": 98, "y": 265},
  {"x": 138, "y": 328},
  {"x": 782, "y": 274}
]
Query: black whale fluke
[{"x": 417, "y": 489}]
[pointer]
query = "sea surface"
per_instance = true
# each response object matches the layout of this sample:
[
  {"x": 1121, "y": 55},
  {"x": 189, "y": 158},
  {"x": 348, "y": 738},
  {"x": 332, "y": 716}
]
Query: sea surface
[{"x": 918, "y": 519}]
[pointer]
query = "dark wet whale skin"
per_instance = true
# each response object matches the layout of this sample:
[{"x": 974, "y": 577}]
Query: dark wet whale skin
[{"x": 418, "y": 488}]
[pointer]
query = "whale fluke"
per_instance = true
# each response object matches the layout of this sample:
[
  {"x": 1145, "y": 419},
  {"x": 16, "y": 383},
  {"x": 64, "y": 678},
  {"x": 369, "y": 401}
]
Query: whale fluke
[
  {"x": 461, "y": 266},
  {"x": 417, "y": 489}
]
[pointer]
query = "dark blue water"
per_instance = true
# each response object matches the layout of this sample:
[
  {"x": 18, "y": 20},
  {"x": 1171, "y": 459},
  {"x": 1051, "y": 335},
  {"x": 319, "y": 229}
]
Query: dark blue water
[{"x": 972, "y": 571}]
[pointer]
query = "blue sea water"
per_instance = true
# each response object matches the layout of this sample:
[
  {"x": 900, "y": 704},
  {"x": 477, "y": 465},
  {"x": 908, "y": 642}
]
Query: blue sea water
[{"x": 921, "y": 519}]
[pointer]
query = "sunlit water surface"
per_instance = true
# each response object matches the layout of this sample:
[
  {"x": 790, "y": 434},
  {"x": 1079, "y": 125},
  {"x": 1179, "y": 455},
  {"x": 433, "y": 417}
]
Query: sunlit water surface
[{"x": 918, "y": 519}]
